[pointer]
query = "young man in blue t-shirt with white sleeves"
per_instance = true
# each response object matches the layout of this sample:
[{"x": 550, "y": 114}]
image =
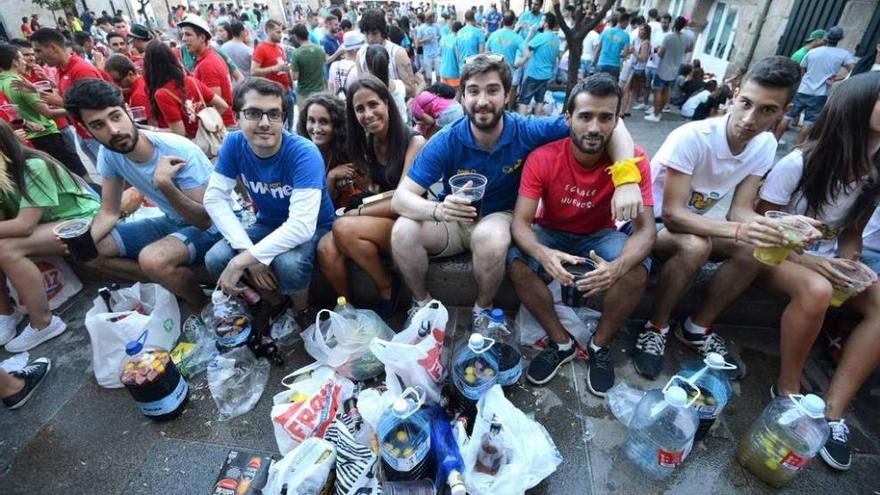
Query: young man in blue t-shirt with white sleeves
[{"x": 284, "y": 176}]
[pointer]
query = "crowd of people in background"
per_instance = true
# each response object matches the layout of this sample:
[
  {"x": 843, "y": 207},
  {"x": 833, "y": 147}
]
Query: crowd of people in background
[{"x": 338, "y": 131}]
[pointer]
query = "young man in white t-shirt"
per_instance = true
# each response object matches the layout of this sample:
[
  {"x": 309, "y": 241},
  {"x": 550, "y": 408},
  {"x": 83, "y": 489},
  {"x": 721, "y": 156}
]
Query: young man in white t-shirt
[
  {"x": 696, "y": 167},
  {"x": 691, "y": 104}
]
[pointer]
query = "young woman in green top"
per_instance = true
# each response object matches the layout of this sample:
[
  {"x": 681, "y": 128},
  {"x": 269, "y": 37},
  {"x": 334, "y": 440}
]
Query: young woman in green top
[{"x": 36, "y": 194}]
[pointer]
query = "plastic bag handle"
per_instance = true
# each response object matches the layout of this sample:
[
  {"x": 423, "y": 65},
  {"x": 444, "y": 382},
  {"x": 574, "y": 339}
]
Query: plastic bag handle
[
  {"x": 419, "y": 394},
  {"x": 305, "y": 369},
  {"x": 485, "y": 348}
]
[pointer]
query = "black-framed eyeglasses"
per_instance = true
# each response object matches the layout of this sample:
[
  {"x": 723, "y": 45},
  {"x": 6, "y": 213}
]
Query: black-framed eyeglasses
[{"x": 256, "y": 115}]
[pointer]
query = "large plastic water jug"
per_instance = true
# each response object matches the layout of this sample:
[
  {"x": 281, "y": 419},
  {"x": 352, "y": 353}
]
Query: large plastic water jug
[
  {"x": 506, "y": 349},
  {"x": 780, "y": 443},
  {"x": 474, "y": 371},
  {"x": 661, "y": 432},
  {"x": 153, "y": 380},
  {"x": 405, "y": 439},
  {"x": 709, "y": 376}
]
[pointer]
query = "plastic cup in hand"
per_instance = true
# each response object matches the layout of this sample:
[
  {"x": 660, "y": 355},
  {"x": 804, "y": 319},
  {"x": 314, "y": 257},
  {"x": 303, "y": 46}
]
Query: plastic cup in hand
[
  {"x": 12, "y": 115},
  {"x": 139, "y": 115},
  {"x": 795, "y": 230},
  {"x": 471, "y": 187},
  {"x": 571, "y": 296},
  {"x": 77, "y": 235},
  {"x": 43, "y": 86},
  {"x": 861, "y": 275}
]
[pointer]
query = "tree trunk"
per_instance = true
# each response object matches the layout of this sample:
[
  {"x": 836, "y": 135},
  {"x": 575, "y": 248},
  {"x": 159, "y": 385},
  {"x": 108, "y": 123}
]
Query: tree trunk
[{"x": 574, "y": 38}]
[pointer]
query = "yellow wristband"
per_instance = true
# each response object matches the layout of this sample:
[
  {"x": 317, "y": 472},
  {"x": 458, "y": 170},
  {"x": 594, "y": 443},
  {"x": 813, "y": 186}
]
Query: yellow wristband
[{"x": 625, "y": 171}]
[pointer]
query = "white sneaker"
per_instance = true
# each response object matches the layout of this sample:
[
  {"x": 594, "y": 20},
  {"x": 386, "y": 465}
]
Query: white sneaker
[
  {"x": 667, "y": 109},
  {"x": 30, "y": 338},
  {"x": 638, "y": 106},
  {"x": 8, "y": 324},
  {"x": 653, "y": 118}
]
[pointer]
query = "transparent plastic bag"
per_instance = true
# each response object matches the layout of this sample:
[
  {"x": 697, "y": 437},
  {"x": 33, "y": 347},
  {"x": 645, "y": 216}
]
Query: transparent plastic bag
[
  {"x": 334, "y": 341},
  {"x": 237, "y": 380},
  {"x": 622, "y": 400}
]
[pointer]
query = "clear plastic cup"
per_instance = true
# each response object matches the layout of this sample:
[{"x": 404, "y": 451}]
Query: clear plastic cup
[
  {"x": 43, "y": 86},
  {"x": 862, "y": 277},
  {"x": 471, "y": 187},
  {"x": 795, "y": 230},
  {"x": 77, "y": 235},
  {"x": 139, "y": 115},
  {"x": 571, "y": 296}
]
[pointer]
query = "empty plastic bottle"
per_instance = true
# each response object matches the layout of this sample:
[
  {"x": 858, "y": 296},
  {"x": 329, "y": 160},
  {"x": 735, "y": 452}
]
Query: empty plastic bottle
[
  {"x": 474, "y": 371},
  {"x": 506, "y": 351},
  {"x": 447, "y": 457},
  {"x": 661, "y": 432},
  {"x": 405, "y": 439},
  {"x": 344, "y": 309},
  {"x": 780, "y": 443},
  {"x": 710, "y": 378}
]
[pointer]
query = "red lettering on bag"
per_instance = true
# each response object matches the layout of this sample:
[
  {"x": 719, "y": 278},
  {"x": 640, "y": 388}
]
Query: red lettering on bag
[{"x": 307, "y": 418}]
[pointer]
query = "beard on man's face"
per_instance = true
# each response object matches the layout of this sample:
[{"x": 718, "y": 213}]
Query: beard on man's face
[
  {"x": 589, "y": 143},
  {"x": 124, "y": 143},
  {"x": 476, "y": 116}
]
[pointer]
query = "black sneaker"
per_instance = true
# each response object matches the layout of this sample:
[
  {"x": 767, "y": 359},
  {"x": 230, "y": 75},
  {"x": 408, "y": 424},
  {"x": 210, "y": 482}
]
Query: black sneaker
[
  {"x": 32, "y": 375},
  {"x": 600, "y": 376},
  {"x": 836, "y": 451},
  {"x": 650, "y": 346},
  {"x": 712, "y": 342},
  {"x": 305, "y": 318},
  {"x": 544, "y": 367}
]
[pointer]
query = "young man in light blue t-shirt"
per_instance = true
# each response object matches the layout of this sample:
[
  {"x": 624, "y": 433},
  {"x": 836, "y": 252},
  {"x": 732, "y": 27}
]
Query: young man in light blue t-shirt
[
  {"x": 449, "y": 57},
  {"x": 613, "y": 46},
  {"x": 542, "y": 53},
  {"x": 284, "y": 176},
  {"x": 471, "y": 39},
  {"x": 170, "y": 171}
]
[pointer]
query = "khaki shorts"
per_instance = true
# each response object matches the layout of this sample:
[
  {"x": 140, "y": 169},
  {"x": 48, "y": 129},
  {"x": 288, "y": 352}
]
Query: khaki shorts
[{"x": 458, "y": 234}]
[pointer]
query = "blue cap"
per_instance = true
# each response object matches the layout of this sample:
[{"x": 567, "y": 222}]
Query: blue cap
[
  {"x": 498, "y": 314},
  {"x": 134, "y": 347}
]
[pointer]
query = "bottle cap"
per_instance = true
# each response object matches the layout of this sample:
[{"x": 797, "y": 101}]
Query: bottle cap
[
  {"x": 676, "y": 396},
  {"x": 133, "y": 348},
  {"x": 476, "y": 341},
  {"x": 498, "y": 314},
  {"x": 715, "y": 360},
  {"x": 400, "y": 406},
  {"x": 340, "y": 301},
  {"x": 813, "y": 405}
]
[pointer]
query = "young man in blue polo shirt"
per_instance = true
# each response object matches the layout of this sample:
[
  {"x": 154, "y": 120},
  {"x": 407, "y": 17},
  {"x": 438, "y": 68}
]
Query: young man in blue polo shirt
[
  {"x": 490, "y": 142},
  {"x": 284, "y": 175}
]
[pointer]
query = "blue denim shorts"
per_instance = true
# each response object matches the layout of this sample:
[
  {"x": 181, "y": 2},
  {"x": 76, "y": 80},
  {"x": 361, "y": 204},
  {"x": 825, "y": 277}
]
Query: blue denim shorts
[
  {"x": 660, "y": 83},
  {"x": 292, "y": 268},
  {"x": 532, "y": 88},
  {"x": 811, "y": 105},
  {"x": 132, "y": 237},
  {"x": 608, "y": 244},
  {"x": 871, "y": 257}
]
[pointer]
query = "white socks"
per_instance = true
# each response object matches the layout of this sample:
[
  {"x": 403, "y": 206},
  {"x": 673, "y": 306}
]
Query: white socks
[{"x": 694, "y": 329}]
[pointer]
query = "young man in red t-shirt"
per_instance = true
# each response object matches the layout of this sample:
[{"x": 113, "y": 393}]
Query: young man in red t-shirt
[
  {"x": 210, "y": 67},
  {"x": 124, "y": 74},
  {"x": 574, "y": 226},
  {"x": 269, "y": 61},
  {"x": 26, "y": 30},
  {"x": 50, "y": 46}
]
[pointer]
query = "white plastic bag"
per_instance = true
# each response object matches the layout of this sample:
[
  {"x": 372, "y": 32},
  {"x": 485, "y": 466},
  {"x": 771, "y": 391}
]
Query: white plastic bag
[
  {"x": 308, "y": 406},
  {"x": 345, "y": 347},
  {"x": 622, "y": 400},
  {"x": 59, "y": 283},
  {"x": 531, "y": 454},
  {"x": 135, "y": 309},
  {"x": 237, "y": 380},
  {"x": 357, "y": 467},
  {"x": 413, "y": 357},
  {"x": 304, "y": 470},
  {"x": 580, "y": 322}
]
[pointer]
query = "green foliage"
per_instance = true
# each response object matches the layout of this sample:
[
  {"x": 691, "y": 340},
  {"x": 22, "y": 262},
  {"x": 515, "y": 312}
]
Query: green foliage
[{"x": 55, "y": 5}]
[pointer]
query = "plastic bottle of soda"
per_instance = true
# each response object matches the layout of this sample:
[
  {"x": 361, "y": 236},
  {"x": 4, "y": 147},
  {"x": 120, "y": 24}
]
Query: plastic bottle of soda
[
  {"x": 491, "y": 455},
  {"x": 405, "y": 439},
  {"x": 791, "y": 431},
  {"x": 448, "y": 462},
  {"x": 474, "y": 371},
  {"x": 153, "y": 380},
  {"x": 661, "y": 432},
  {"x": 506, "y": 350},
  {"x": 710, "y": 377}
]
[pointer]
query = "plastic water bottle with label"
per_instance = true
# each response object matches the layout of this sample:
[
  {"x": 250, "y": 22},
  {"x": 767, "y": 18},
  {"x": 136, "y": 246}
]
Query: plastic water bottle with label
[
  {"x": 405, "y": 439},
  {"x": 661, "y": 432},
  {"x": 709, "y": 376},
  {"x": 791, "y": 431},
  {"x": 448, "y": 462},
  {"x": 153, "y": 380},
  {"x": 474, "y": 371},
  {"x": 505, "y": 348}
]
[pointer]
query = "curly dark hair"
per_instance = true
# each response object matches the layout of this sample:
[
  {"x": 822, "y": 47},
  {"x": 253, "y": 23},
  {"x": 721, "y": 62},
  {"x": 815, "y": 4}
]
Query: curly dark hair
[
  {"x": 338, "y": 147},
  {"x": 373, "y": 20}
]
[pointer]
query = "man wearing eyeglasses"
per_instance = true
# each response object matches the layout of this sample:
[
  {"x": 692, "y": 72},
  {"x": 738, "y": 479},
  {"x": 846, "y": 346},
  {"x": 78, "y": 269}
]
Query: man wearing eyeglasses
[{"x": 284, "y": 176}]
